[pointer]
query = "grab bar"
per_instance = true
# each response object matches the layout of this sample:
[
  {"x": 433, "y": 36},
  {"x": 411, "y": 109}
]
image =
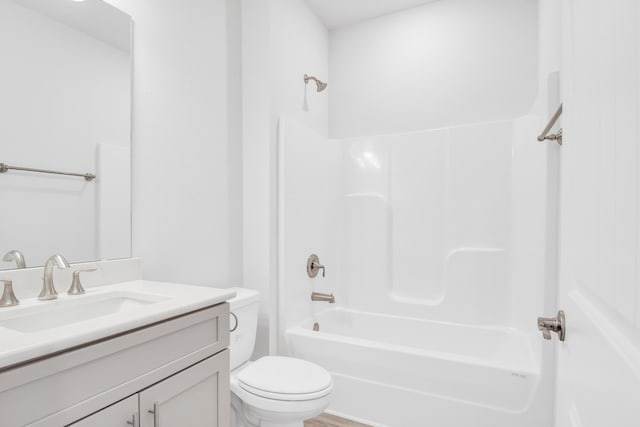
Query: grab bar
[
  {"x": 4, "y": 168},
  {"x": 544, "y": 136}
]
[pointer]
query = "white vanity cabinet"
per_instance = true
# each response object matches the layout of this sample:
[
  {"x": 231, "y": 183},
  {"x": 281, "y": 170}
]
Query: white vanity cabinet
[
  {"x": 191, "y": 398},
  {"x": 179, "y": 365}
]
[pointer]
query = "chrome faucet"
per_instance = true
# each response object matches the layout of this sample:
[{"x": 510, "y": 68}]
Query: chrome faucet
[
  {"x": 317, "y": 296},
  {"x": 48, "y": 290},
  {"x": 16, "y": 256},
  {"x": 313, "y": 266}
]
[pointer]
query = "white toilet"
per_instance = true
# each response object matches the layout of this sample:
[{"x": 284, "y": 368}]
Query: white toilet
[{"x": 273, "y": 391}]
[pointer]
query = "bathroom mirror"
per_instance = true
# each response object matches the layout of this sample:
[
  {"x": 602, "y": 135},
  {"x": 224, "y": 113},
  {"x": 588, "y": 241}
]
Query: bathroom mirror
[{"x": 65, "y": 106}]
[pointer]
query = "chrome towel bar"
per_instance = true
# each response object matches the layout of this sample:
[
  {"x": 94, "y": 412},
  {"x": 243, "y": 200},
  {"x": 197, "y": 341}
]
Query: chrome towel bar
[
  {"x": 4, "y": 168},
  {"x": 545, "y": 136}
]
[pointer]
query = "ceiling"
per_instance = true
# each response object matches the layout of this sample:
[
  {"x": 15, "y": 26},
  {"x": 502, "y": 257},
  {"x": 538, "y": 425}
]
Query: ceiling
[
  {"x": 93, "y": 17},
  {"x": 338, "y": 13}
]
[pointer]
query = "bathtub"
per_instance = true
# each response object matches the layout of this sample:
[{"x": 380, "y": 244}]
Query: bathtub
[{"x": 402, "y": 372}]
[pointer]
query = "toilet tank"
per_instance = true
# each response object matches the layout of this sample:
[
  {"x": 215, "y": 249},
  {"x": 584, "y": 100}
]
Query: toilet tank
[{"x": 243, "y": 339}]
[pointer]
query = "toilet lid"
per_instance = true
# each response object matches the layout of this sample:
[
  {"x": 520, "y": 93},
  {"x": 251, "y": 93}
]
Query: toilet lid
[{"x": 285, "y": 378}]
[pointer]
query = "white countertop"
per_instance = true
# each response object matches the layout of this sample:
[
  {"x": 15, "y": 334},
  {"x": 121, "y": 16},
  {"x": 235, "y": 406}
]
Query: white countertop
[{"x": 35, "y": 328}]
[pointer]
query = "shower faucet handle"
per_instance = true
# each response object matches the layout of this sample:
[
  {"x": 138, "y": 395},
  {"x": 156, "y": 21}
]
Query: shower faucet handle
[{"x": 313, "y": 266}]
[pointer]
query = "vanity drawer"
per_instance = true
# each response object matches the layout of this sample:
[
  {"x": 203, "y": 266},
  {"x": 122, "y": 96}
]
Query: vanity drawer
[{"x": 108, "y": 370}]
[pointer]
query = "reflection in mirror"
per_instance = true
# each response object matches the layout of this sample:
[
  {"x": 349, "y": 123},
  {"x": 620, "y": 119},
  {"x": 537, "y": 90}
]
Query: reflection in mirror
[{"x": 65, "y": 105}]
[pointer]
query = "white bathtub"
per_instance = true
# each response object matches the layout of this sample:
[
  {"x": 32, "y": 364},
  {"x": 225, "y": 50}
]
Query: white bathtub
[{"x": 404, "y": 372}]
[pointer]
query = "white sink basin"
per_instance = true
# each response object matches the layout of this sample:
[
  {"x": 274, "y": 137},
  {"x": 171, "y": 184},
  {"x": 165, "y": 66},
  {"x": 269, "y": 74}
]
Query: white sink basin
[
  {"x": 35, "y": 329},
  {"x": 49, "y": 316}
]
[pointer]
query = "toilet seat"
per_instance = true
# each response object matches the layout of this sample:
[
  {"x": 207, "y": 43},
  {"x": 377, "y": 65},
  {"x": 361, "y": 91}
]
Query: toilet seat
[
  {"x": 285, "y": 379},
  {"x": 286, "y": 397},
  {"x": 261, "y": 404}
]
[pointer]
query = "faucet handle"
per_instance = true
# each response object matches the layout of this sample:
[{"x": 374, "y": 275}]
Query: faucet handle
[
  {"x": 76, "y": 286},
  {"x": 313, "y": 266},
  {"x": 318, "y": 267},
  {"x": 8, "y": 298}
]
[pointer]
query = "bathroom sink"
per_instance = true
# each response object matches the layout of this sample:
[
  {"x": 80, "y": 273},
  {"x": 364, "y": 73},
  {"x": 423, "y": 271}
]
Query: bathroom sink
[
  {"x": 35, "y": 329},
  {"x": 48, "y": 316}
]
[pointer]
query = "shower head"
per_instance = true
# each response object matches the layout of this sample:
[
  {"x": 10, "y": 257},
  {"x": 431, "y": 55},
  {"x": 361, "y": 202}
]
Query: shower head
[{"x": 320, "y": 85}]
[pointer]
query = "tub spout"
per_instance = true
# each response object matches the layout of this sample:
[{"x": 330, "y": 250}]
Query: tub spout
[{"x": 317, "y": 296}]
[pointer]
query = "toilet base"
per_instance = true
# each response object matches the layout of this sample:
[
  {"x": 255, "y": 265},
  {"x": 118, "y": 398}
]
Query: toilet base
[
  {"x": 244, "y": 415},
  {"x": 294, "y": 424}
]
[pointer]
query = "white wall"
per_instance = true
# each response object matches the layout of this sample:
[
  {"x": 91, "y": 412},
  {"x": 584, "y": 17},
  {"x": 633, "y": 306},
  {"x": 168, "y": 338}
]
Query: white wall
[
  {"x": 64, "y": 93},
  {"x": 186, "y": 156},
  {"x": 549, "y": 55},
  {"x": 442, "y": 64},
  {"x": 257, "y": 217},
  {"x": 310, "y": 221},
  {"x": 281, "y": 40},
  {"x": 299, "y": 46}
]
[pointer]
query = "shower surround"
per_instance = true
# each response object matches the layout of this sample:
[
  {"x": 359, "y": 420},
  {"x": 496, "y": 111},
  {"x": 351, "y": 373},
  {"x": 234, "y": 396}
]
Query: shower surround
[{"x": 434, "y": 246}]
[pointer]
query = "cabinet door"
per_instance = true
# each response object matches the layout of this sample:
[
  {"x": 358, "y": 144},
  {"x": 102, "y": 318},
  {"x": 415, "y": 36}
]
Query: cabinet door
[
  {"x": 196, "y": 397},
  {"x": 121, "y": 414}
]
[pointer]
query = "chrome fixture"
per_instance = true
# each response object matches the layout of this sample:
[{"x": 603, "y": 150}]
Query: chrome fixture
[
  {"x": 320, "y": 85},
  {"x": 15, "y": 256},
  {"x": 76, "y": 287},
  {"x": 553, "y": 324},
  {"x": 48, "y": 290},
  {"x": 4, "y": 168},
  {"x": 235, "y": 324},
  {"x": 156, "y": 414},
  {"x": 8, "y": 298},
  {"x": 134, "y": 418},
  {"x": 316, "y": 327},
  {"x": 317, "y": 296},
  {"x": 544, "y": 136},
  {"x": 313, "y": 266}
]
